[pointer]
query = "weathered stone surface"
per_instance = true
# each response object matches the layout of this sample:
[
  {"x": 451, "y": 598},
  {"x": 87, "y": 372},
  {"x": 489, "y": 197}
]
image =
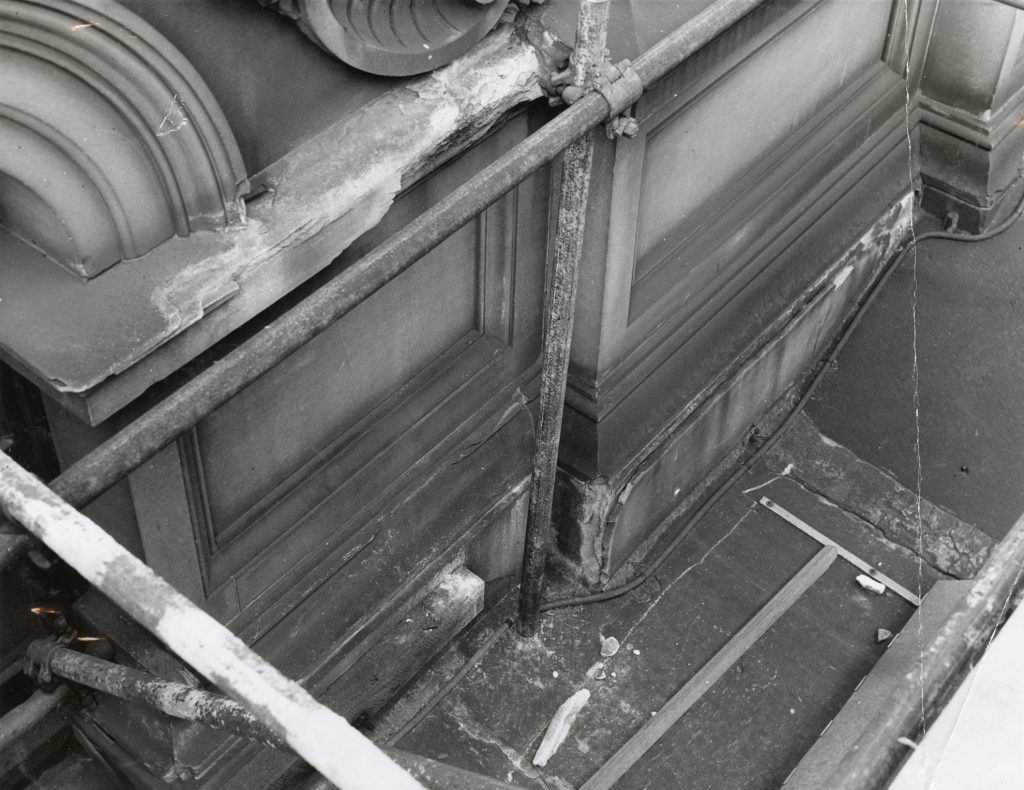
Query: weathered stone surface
[
  {"x": 833, "y": 471},
  {"x": 110, "y": 141},
  {"x": 320, "y": 197}
]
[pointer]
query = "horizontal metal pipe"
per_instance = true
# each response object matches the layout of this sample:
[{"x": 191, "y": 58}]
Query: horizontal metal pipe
[
  {"x": 213, "y": 710},
  {"x": 25, "y": 717},
  {"x": 94, "y": 473},
  {"x": 944, "y": 662},
  {"x": 174, "y": 699}
]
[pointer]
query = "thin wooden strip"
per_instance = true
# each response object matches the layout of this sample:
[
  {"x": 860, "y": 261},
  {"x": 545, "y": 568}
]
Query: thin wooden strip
[
  {"x": 849, "y": 556},
  {"x": 684, "y": 699}
]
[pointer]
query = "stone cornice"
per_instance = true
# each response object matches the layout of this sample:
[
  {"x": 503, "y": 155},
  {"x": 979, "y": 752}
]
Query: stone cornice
[
  {"x": 118, "y": 334},
  {"x": 110, "y": 142}
]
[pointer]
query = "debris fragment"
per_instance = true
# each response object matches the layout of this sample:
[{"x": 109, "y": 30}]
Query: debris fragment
[
  {"x": 609, "y": 646},
  {"x": 906, "y": 742},
  {"x": 559, "y": 727},
  {"x": 601, "y": 675},
  {"x": 554, "y": 674},
  {"x": 871, "y": 585},
  {"x": 883, "y": 635},
  {"x": 636, "y": 652}
]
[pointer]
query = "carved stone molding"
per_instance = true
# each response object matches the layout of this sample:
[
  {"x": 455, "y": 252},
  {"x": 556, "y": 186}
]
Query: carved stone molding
[
  {"x": 110, "y": 142},
  {"x": 394, "y": 37}
]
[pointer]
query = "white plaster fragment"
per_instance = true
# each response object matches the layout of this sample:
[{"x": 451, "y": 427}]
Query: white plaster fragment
[
  {"x": 842, "y": 276},
  {"x": 871, "y": 585},
  {"x": 559, "y": 727}
]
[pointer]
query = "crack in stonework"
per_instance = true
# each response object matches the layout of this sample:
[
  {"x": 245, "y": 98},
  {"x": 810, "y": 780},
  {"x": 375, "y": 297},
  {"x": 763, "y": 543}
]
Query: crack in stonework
[
  {"x": 877, "y": 534},
  {"x": 915, "y": 370},
  {"x": 175, "y": 120}
]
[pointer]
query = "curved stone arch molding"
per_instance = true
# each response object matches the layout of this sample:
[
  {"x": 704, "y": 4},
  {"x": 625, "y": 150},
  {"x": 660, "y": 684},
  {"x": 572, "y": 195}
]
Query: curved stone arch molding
[
  {"x": 126, "y": 120},
  {"x": 395, "y": 37}
]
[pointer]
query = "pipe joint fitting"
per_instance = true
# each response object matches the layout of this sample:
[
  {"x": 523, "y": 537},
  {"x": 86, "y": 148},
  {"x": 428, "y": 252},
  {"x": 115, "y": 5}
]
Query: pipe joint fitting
[
  {"x": 38, "y": 660},
  {"x": 620, "y": 86}
]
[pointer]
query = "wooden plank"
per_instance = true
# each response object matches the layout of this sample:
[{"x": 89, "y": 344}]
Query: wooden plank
[
  {"x": 849, "y": 556},
  {"x": 684, "y": 699}
]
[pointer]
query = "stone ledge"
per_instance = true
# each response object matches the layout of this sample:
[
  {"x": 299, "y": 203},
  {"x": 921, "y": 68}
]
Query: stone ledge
[{"x": 829, "y": 469}]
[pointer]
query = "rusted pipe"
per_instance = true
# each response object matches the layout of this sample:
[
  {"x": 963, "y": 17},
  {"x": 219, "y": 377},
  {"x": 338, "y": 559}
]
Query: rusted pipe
[
  {"x": 50, "y": 659},
  {"x": 175, "y": 699},
  {"x": 559, "y": 309},
  {"x": 25, "y": 717},
  {"x": 321, "y": 737},
  {"x": 944, "y": 663}
]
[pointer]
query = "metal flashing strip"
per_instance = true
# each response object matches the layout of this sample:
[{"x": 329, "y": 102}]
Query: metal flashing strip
[{"x": 847, "y": 555}]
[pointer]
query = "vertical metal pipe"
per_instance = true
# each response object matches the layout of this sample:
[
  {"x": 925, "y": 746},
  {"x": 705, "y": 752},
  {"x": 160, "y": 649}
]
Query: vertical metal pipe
[{"x": 591, "y": 34}]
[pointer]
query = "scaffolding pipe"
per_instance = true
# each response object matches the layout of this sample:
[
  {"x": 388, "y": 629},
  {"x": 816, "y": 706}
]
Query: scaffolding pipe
[
  {"x": 22, "y": 719},
  {"x": 946, "y": 660},
  {"x": 325, "y": 740},
  {"x": 98, "y": 470},
  {"x": 559, "y": 309},
  {"x": 51, "y": 659}
]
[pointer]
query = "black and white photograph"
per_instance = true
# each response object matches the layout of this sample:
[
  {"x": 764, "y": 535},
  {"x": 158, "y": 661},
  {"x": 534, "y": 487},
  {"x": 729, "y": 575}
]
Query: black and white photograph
[{"x": 511, "y": 394}]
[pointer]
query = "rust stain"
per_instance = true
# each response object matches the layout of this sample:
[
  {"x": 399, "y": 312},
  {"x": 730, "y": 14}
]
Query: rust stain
[{"x": 44, "y": 610}]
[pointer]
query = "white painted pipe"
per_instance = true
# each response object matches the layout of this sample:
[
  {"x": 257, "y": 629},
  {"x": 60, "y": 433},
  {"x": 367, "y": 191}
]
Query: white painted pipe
[{"x": 324, "y": 739}]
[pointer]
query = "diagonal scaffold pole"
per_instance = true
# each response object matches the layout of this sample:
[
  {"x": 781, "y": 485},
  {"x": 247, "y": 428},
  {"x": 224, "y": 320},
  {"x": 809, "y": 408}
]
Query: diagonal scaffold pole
[
  {"x": 321, "y": 737},
  {"x": 559, "y": 308}
]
